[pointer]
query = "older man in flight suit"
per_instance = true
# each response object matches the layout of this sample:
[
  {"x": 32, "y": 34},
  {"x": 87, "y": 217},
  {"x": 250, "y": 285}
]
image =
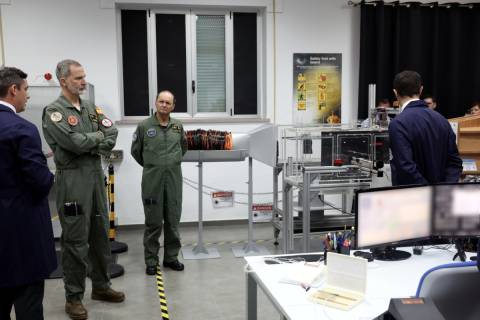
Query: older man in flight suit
[
  {"x": 78, "y": 133},
  {"x": 159, "y": 144}
]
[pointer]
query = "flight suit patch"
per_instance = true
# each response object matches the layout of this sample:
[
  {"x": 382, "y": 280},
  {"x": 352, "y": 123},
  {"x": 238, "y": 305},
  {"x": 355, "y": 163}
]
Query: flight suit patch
[
  {"x": 176, "y": 128},
  {"x": 56, "y": 116},
  {"x": 151, "y": 132},
  {"x": 107, "y": 123},
  {"x": 72, "y": 120}
]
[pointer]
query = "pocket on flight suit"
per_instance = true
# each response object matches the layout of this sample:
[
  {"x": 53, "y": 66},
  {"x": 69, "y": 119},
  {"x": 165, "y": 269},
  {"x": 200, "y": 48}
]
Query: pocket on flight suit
[
  {"x": 151, "y": 214},
  {"x": 74, "y": 229}
]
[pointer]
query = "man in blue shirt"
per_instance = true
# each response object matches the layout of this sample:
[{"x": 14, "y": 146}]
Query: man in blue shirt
[{"x": 422, "y": 143}]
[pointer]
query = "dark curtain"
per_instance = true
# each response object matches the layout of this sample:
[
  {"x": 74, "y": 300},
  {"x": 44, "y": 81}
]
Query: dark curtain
[{"x": 440, "y": 42}]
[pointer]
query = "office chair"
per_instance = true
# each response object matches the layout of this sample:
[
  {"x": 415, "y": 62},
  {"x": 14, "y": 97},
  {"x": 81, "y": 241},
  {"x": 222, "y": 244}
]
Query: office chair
[{"x": 454, "y": 289}]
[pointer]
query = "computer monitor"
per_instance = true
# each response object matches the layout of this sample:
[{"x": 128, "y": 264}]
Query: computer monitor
[
  {"x": 456, "y": 211},
  {"x": 390, "y": 217}
]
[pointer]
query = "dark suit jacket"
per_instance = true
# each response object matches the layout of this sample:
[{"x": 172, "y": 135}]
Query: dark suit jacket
[
  {"x": 423, "y": 147},
  {"x": 27, "y": 248}
]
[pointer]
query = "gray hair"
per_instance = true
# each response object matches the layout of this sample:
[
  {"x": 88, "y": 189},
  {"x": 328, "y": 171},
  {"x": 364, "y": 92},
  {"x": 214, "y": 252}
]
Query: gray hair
[{"x": 63, "y": 68}]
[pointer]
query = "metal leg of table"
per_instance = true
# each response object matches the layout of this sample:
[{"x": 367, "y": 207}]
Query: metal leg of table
[
  {"x": 199, "y": 251},
  {"x": 287, "y": 218},
  {"x": 251, "y": 248},
  {"x": 251, "y": 297},
  {"x": 306, "y": 212},
  {"x": 253, "y": 284}
]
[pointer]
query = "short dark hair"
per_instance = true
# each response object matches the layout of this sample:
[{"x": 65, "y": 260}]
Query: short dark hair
[
  {"x": 407, "y": 83},
  {"x": 10, "y": 76},
  {"x": 384, "y": 101},
  {"x": 429, "y": 96}
]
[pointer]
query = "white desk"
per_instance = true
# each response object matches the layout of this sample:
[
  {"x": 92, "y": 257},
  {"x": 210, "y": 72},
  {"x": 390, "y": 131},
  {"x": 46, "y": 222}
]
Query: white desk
[{"x": 385, "y": 280}]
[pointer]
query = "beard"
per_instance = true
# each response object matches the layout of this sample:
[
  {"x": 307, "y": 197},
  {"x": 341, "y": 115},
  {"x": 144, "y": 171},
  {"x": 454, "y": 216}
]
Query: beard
[{"x": 76, "y": 90}]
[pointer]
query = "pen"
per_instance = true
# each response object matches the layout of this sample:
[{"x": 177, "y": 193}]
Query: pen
[{"x": 304, "y": 286}]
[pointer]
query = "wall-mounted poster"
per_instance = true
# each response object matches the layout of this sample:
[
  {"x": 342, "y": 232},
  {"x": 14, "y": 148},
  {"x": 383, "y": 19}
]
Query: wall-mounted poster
[{"x": 317, "y": 87}]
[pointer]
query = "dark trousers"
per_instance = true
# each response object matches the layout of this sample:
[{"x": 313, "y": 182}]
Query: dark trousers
[{"x": 27, "y": 300}]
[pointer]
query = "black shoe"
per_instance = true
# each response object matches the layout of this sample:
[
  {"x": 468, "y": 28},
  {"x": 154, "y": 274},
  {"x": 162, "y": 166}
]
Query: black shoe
[
  {"x": 151, "y": 270},
  {"x": 175, "y": 265}
]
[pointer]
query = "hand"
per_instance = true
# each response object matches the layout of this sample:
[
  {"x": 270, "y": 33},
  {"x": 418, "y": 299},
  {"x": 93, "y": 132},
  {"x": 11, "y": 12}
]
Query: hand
[{"x": 100, "y": 134}]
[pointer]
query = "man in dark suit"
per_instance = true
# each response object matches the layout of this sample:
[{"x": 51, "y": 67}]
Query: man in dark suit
[
  {"x": 27, "y": 249},
  {"x": 422, "y": 143}
]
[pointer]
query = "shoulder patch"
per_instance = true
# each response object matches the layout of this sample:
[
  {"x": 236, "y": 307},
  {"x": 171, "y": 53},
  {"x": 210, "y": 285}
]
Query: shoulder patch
[
  {"x": 56, "y": 116},
  {"x": 72, "y": 120},
  {"x": 151, "y": 132},
  {"x": 107, "y": 123},
  {"x": 98, "y": 110}
]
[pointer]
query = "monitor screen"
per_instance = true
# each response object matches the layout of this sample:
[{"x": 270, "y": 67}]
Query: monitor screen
[
  {"x": 456, "y": 210},
  {"x": 390, "y": 216}
]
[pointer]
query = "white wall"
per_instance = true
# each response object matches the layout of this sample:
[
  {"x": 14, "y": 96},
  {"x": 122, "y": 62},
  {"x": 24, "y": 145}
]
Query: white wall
[
  {"x": 311, "y": 26},
  {"x": 37, "y": 34}
]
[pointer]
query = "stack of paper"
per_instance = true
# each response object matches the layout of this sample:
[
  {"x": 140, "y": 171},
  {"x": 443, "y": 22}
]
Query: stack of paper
[{"x": 304, "y": 274}]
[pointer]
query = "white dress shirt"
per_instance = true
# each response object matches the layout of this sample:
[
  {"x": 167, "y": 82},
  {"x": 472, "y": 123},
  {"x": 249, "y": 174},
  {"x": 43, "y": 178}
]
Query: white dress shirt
[
  {"x": 407, "y": 102},
  {"x": 8, "y": 105}
]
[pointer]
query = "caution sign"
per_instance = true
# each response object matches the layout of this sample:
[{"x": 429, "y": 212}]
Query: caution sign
[
  {"x": 262, "y": 212},
  {"x": 222, "y": 199}
]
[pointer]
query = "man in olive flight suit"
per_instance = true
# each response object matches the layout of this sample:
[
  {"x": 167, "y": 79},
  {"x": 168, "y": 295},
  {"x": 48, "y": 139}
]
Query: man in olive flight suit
[
  {"x": 159, "y": 144},
  {"x": 78, "y": 133}
]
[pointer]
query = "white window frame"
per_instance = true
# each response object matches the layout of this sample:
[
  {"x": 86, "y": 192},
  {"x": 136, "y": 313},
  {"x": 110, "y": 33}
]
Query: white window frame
[{"x": 190, "y": 15}]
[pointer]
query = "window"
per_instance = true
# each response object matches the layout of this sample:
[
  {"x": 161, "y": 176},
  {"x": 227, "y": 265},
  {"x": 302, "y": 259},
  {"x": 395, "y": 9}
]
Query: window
[{"x": 208, "y": 59}]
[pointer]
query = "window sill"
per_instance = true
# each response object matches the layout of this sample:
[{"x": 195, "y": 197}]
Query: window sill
[{"x": 137, "y": 120}]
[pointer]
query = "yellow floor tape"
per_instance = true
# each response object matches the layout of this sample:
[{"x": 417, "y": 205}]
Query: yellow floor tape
[{"x": 161, "y": 294}]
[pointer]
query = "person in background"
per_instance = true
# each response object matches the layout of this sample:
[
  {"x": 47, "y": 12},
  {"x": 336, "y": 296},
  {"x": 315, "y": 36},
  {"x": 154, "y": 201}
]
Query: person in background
[
  {"x": 79, "y": 133},
  {"x": 422, "y": 143},
  {"x": 384, "y": 104},
  {"x": 159, "y": 144},
  {"x": 381, "y": 117},
  {"x": 430, "y": 100},
  {"x": 474, "y": 109},
  {"x": 27, "y": 248}
]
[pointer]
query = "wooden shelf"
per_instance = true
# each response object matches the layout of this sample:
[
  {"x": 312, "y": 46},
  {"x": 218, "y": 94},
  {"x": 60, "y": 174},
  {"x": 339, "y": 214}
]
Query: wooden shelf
[{"x": 470, "y": 130}]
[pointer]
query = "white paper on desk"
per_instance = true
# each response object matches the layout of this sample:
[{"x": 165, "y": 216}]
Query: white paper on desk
[
  {"x": 304, "y": 274},
  {"x": 346, "y": 282}
]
